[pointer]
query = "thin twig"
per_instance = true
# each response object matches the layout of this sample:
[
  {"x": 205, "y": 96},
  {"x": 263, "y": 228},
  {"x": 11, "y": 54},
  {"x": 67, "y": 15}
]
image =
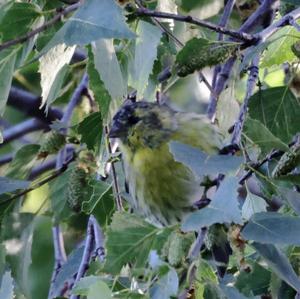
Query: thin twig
[
  {"x": 223, "y": 22},
  {"x": 192, "y": 20},
  {"x": 196, "y": 246},
  {"x": 178, "y": 42},
  {"x": 266, "y": 9},
  {"x": 62, "y": 12},
  {"x": 84, "y": 264},
  {"x": 48, "y": 179},
  {"x": 99, "y": 239},
  {"x": 238, "y": 126},
  {"x": 59, "y": 255},
  {"x": 61, "y": 158},
  {"x": 114, "y": 174}
]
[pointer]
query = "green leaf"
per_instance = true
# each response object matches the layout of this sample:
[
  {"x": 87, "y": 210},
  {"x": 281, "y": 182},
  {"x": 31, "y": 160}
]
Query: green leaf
[
  {"x": 232, "y": 293},
  {"x": 108, "y": 67},
  {"x": 83, "y": 285},
  {"x": 201, "y": 163},
  {"x": 223, "y": 208},
  {"x": 7, "y": 286},
  {"x": 42, "y": 255},
  {"x": 23, "y": 161},
  {"x": 7, "y": 66},
  {"x": 10, "y": 185},
  {"x": 260, "y": 135},
  {"x": 90, "y": 130},
  {"x": 292, "y": 197},
  {"x": 16, "y": 19},
  {"x": 53, "y": 68},
  {"x": 99, "y": 288},
  {"x": 255, "y": 282},
  {"x": 58, "y": 194},
  {"x": 101, "y": 94},
  {"x": 95, "y": 19},
  {"x": 166, "y": 286},
  {"x": 278, "y": 109},
  {"x": 101, "y": 191},
  {"x": 145, "y": 46},
  {"x": 279, "y": 263},
  {"x": 253, "y": 204},
  {"x": 280, "y": 50},
  {"x": 273, "y": 228},
  {"x": 129, "y": 239}
]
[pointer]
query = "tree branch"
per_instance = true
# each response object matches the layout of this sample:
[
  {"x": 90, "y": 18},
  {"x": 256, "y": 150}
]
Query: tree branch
[
  {"x": 27, "y": 126},
  {"x": 223, "y": 22},
  {"x": 264, "y": 11},
  {"x": 238, "y": 126},
  {"x": 59, "y": 254},
  {"x": 29, "y": 104},
  {"x": 245, "y": 37},
  {"x": 86, "y": 257},
  {"x": 60, "y": 13}
]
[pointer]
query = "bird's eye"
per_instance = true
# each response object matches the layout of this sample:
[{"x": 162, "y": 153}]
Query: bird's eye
[{"x": 132, "y": 120}]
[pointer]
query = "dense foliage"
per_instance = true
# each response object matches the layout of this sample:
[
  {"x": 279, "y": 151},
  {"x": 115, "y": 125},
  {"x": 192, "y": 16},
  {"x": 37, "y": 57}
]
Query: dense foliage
[{"x": 66, "y": 228}]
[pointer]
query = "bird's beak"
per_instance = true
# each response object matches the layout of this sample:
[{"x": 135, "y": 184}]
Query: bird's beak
[{"x": 117, "y": 130}]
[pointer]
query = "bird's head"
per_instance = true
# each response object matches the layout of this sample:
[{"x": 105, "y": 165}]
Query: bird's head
[{"x": 142, "y": 124}]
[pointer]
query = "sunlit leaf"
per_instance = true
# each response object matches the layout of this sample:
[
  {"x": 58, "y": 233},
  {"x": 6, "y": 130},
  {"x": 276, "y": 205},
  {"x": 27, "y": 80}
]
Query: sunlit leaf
[
  {"x": 108, "y": 67},
  {"x": 146, "y": 46}
]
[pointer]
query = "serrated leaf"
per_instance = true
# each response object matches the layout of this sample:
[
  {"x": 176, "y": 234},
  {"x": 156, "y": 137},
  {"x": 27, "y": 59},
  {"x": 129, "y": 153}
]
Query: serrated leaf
[
  {"x": 292, "y": 197},
  {"x": 100, "y": 190},
  {"x": 53, "y": 68},
  {"x": 95, "y": 19},
  {"x": 108, "y": 67},
  {"x": 10, "y": 185},
  {"x": 7, "y": 66},
  {"x": 273, "y": 228},
  {"x": 278, "y": 109},
  {"x": 7, "y": 286},
  {"x": 279, "y": 263},
  {"x": 129, "y": 239},
  {"x": 223, "y": 208},
  {"x": 201, "y": 163},
  {"x": 101, "y": 94},
  {"x": 260, "y": 135},
  {"x": 255, "y": 282},
  {"x": 253, "y": 204},
  {"x": 232, "y": 293},
  {"x": 98, "y": 288},
  {"x": 166, "y": 286},
  {"x": 58, "y": 194},
  {"x": 83, "y": 285},
  {"x": 280, "y": 50},
  {"x": 90, "y": 130},
  {"x": 17, "y": 18},
  {"x": 23, "y": 161},
  {"x": 145, "y": 46}
]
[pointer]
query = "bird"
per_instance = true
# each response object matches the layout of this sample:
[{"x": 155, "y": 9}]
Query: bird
[{"x": 161, "y": 189}]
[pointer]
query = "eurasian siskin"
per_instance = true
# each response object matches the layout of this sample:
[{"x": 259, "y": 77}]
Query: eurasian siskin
[{"x": 161, "y": 188}]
